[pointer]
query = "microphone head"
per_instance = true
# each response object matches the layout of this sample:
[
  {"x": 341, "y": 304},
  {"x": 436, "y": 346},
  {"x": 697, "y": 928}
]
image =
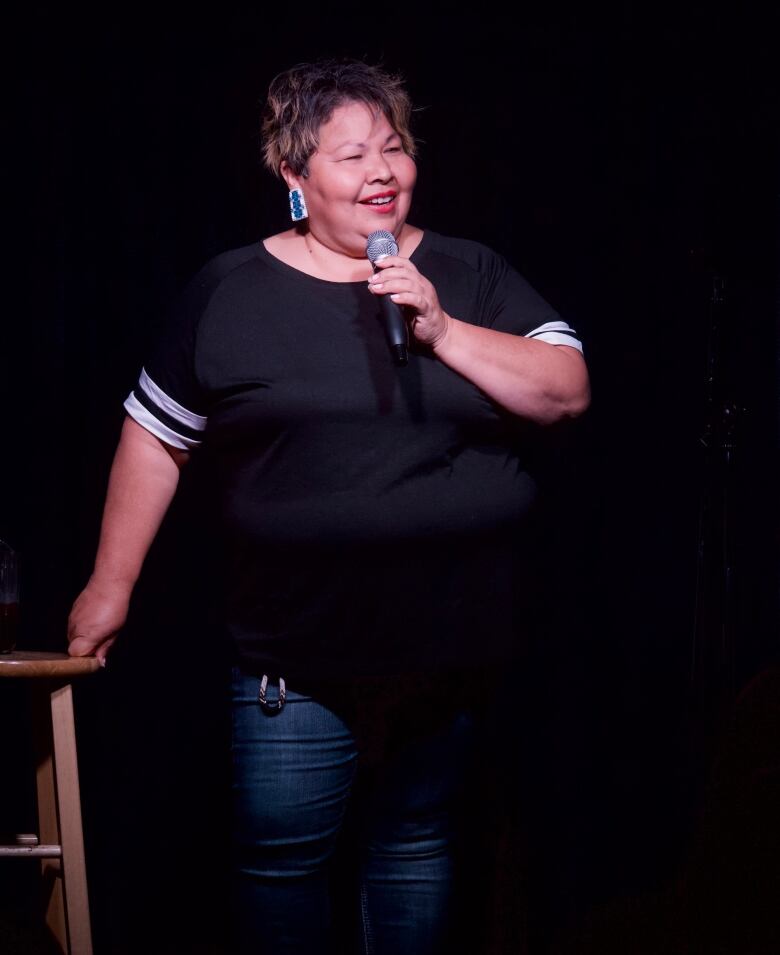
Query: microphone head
[{"x": 380, "y": 244}]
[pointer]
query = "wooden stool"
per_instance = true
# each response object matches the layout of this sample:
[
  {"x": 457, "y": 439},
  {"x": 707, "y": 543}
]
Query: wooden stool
[{"x": 60, "y": 841}]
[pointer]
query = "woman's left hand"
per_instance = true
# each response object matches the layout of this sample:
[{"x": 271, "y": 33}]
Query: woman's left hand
[{"x": 399, "y": 278}]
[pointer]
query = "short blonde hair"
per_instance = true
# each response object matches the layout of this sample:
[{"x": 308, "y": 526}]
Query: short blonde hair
[{"x": 303, "y": 98}]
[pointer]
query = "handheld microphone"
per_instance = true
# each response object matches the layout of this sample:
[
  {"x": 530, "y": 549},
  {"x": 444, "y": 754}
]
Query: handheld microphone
[{"x": 379, "y": 245}]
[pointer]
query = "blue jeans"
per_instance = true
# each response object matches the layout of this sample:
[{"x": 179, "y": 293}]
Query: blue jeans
[{"x": 305, "y": 776}]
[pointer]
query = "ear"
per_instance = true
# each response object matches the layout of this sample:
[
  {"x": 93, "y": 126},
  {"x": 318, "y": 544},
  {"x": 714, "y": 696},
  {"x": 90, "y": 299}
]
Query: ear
[{"x": 293, "y": 181}]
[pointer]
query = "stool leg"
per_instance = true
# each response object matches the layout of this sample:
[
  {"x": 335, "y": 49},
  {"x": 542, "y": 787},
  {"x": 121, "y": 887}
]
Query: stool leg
[
  {"x": 74, "y": 869},
  {"x": 48, "y": 823}
]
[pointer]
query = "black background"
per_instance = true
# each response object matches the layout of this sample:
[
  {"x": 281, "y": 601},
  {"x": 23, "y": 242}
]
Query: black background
[{"x": 620, "y": 159}]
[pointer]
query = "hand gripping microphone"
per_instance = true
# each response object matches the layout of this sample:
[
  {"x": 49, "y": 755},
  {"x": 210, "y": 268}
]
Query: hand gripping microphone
[{"x": 379, "y": 245}]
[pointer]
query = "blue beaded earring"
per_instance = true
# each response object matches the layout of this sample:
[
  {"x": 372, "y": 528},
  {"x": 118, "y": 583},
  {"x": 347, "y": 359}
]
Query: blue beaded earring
[{"x": 298, "y": 208}]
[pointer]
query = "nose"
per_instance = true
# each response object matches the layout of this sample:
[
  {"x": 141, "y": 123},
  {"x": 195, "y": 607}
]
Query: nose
[{"x": 378, "y": 169}]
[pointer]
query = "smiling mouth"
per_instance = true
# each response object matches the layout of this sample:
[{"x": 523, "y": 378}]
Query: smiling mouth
[{"x": 383, "y": 199}]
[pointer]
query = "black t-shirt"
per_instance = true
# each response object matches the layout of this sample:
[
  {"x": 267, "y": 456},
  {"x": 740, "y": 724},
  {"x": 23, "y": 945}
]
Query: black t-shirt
[{"x": 375, "y": 518}]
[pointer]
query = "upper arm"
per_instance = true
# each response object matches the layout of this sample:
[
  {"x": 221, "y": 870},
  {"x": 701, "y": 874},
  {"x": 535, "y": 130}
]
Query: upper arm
[
  {"x": 179, "y": 456},
  {"x": 138, "y": 432},
  {"x": 576, "y": 353},
  {"x": 579, "y": 378}
]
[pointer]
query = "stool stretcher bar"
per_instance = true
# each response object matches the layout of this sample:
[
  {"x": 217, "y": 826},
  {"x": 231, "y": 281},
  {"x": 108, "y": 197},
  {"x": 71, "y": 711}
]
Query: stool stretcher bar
[{"x": 31, "y": 852}]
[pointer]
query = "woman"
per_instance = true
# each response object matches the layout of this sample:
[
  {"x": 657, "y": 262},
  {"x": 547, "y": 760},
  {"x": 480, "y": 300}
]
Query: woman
[{"x": 376, "y": 517}]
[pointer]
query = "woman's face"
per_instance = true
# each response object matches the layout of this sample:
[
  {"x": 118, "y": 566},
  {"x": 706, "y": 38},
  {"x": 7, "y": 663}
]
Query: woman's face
[{"x": 359, "y": 158}]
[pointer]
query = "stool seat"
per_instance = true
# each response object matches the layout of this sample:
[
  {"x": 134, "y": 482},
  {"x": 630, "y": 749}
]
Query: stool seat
[
  {"x": 59, "y": 843},
  {"x": 36, "y": 663}
]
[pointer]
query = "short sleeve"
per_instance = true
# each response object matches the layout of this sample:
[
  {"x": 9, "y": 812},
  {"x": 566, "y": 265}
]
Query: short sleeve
[
  {"x": 167, "y": 398},
  {"x": 510, "y": 304}
]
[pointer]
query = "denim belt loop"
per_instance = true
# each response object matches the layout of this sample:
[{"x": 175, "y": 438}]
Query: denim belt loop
[{"x": 272, "y": 706}]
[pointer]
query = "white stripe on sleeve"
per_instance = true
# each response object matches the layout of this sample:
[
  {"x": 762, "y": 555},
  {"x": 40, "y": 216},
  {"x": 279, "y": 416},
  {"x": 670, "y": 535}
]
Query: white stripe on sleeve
[
  {"x": 555, "y": 333},
  {"x": 147, "y": 420},
  {"x": 168, "y": 405}
]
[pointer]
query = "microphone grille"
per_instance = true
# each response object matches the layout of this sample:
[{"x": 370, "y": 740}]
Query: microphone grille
[{"x": 379, "y": 244}]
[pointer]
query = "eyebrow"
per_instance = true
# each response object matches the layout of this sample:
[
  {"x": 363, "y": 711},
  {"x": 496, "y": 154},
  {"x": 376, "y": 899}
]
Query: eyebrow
[{"x": 363, "y": 145}]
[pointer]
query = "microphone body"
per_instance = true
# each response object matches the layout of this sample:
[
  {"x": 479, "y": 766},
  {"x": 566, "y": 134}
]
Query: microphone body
[{"x": 379, "y": 245}]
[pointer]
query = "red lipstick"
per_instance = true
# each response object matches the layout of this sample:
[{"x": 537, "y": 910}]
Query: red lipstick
[{"x": 383, "y": 206}]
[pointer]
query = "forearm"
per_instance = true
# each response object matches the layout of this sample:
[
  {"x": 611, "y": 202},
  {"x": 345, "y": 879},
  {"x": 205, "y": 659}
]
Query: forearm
[
  {"x": 143, "y": 481},
  {"x": 530, "y": 378}
]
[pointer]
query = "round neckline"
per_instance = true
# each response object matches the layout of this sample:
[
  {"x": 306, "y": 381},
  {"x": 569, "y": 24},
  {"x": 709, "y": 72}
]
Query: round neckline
[{"x": 290, "y": 270}]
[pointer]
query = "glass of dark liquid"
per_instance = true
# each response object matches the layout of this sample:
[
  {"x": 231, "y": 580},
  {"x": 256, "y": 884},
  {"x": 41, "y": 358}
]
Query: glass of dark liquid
[{"x": 9, "y": 598}]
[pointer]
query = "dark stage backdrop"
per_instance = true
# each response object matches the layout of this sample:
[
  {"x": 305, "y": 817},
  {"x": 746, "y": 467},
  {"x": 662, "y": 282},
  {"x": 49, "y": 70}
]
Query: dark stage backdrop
[{"x": 622, "y": 162}]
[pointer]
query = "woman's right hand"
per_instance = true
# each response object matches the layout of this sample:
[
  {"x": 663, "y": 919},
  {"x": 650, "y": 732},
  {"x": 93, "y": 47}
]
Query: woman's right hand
[{"x": 98, "y": 614}]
